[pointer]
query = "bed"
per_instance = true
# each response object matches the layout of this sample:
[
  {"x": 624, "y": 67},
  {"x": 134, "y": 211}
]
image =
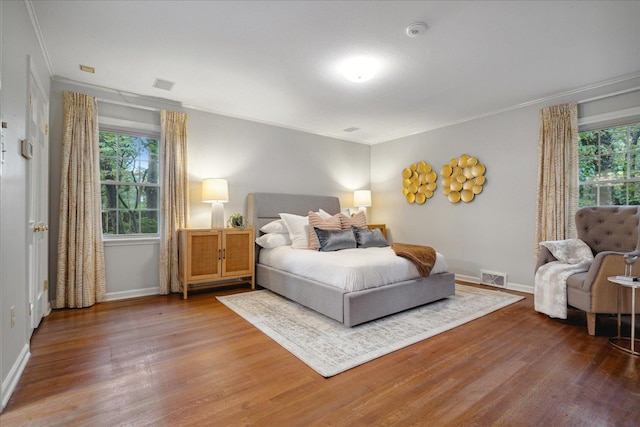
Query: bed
[{"x": 349, "y": 307}]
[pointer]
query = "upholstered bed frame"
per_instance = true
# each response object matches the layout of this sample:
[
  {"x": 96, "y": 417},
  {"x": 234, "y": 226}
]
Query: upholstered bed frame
[{"x": 350, "y": 308}]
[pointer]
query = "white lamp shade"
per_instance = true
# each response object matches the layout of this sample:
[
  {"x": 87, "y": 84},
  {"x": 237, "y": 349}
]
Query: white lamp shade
[
  {"x": 215, "y": 190},
  {"x": 362, "y": 198}
]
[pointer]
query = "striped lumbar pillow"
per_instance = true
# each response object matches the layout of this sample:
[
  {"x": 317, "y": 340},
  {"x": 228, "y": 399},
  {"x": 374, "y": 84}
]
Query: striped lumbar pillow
[
  {"x": 358, "y": 220},
  {"x": 332, "y": 224}
]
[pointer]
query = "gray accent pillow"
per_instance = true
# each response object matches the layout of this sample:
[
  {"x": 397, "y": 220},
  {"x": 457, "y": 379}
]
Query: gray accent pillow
[
  {"x": 366, "y": 238},
  {"x": 335, "y": 240}
]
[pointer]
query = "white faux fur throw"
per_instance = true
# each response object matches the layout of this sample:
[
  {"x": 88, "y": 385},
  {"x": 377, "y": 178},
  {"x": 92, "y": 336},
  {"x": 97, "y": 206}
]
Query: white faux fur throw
[{"x": 550, "y": 285}]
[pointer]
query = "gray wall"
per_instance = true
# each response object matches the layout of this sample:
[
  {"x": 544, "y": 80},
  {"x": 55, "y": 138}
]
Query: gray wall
[
  {"x": 496, "y": 231},
  {"x": 17, "y": 42},
  {"x": 257, "y": 157}
]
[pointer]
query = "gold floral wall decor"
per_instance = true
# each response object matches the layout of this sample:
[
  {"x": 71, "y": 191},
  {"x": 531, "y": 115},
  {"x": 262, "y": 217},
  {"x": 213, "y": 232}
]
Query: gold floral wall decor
[
  {"x": 462, "y": 178},
  {"x": 418, "y": 182}
]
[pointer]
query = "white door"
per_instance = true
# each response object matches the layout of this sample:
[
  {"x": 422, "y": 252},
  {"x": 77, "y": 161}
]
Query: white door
[{"x": 37, "y": 145}]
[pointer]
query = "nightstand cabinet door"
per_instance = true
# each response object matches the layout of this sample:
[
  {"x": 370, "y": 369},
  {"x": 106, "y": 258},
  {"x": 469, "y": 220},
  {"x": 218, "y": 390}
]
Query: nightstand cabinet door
[
  {"x": 238, "y": 252},
  {"x": 204, "y": 249}
]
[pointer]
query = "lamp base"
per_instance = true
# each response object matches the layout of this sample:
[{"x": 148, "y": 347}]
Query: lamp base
[{"x": 217, "y": 215}]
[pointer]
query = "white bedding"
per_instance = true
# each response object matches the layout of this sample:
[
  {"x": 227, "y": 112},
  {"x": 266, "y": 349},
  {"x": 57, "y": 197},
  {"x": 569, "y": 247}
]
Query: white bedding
[{"x": 348, "y": 269}]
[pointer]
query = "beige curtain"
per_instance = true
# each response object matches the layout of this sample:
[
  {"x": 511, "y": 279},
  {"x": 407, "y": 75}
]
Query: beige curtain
[
  {"x": 557, "y": 173},
  {"x": 81, "y": 272},
  {"x": 174, "y": 203}
]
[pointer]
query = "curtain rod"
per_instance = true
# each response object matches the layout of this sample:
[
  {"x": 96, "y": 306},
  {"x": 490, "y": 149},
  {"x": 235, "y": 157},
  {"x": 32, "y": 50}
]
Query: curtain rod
[{"x": 609, "y": 95}]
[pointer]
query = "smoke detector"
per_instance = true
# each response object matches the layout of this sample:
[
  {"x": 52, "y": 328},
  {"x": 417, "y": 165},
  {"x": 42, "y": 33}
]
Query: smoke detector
[{"x": 416, "y": 29}]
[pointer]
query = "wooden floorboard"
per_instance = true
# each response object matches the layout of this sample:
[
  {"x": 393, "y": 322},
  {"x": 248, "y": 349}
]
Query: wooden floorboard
[{"x": 164, "y": 361}]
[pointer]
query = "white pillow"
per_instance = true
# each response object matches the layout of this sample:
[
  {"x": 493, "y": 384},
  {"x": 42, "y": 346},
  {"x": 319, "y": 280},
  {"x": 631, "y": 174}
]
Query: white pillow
[
  {"x": 569, "y": 251},
  {"x": 273, "y": 240},
  {"x": 347, "y": 212},
  {"x": 326, "y": 215},
  {"x": 298, "y": 227},
  {"x": 275, "y": 227}
]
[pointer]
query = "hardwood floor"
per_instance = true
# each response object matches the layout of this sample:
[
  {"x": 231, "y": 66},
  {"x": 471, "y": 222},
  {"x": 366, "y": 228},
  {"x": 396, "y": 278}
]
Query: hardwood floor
[{"x": 165, "y": 361}]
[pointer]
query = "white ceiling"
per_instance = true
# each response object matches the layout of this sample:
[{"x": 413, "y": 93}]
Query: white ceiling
[{"x": 276, "y": 61}]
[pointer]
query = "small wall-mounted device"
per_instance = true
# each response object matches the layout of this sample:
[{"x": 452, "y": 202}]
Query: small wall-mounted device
[
  {"x": 2, "y": 135},
  {"x": 27, "y": 149},
  {"x": 416, "y": 29}
]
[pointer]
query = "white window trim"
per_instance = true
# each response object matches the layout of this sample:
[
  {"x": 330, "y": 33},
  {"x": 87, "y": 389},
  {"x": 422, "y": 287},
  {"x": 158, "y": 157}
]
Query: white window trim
[
  {"x": 125, "y": 240},
  {"x": 108, "y": 124},
  {"x": 594, "y": 122},
  {"x": 129, "y": 126}
]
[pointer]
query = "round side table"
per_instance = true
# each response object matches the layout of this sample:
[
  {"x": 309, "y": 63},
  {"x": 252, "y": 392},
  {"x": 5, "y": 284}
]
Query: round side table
[{"x": 619, "y": 339}]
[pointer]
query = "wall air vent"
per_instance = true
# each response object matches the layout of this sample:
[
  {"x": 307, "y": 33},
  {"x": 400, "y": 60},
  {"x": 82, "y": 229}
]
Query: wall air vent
[
  {"x": 163, "y": 84},
  {"x": 493, "y": 278}
]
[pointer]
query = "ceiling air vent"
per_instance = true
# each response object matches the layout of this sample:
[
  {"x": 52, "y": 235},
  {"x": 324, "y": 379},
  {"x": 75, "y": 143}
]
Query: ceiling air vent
[
  {"x": 493, "y": 278},
  {"x": 163, "y": 84},
  {"x": 351, "y": 129}
]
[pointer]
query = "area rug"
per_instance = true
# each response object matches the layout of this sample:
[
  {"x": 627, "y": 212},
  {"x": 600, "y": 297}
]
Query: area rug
[{"x": 329, "y": 347}]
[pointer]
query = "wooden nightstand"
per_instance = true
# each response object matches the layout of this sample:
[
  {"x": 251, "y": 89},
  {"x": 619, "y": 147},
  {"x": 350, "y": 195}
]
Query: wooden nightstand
[
  {"x": 215, "y": 257},
  {"x": 382, "y": 228}
]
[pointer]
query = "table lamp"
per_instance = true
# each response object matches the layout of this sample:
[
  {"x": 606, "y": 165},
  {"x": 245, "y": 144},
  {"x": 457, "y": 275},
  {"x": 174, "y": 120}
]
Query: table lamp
[
  {"x": 216, "y": 192},
  {"x": 362, "y": 200}
]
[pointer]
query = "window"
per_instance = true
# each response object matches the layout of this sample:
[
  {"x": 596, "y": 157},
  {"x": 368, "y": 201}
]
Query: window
[
  {"x": 130, "y": 183},
  {"x": 610, "y": 166}
]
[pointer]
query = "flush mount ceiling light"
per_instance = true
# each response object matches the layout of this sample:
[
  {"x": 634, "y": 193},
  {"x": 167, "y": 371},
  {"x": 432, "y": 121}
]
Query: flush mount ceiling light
[{"x": 360, "y": 69}]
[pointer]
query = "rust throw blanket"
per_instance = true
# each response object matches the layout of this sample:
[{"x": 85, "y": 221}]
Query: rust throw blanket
[{"x": 422, "y": 256}]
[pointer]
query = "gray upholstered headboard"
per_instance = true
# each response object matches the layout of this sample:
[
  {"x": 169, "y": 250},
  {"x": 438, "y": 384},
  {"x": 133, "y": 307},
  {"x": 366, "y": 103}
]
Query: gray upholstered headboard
[{"x": 263, "y": 208}]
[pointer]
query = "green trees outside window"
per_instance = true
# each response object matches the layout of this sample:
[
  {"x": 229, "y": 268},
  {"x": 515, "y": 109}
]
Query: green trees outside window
[
  {"x": 130, "y": 184},
  {"x": 610, "y": 166}
]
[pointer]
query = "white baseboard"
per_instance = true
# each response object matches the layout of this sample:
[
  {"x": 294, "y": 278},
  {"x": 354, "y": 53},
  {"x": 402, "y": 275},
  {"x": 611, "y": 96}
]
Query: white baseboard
[
  {"x": 47, "y": 311},
  {"x": 14, "y": 375},
  {"x": 528, "y": 289},
  {"x": 510, "y": 285},
  {"x": 112, "y": 296}
]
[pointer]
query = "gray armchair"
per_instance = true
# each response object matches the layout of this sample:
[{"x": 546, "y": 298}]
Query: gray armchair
[{"x": 610, "y": 232}]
